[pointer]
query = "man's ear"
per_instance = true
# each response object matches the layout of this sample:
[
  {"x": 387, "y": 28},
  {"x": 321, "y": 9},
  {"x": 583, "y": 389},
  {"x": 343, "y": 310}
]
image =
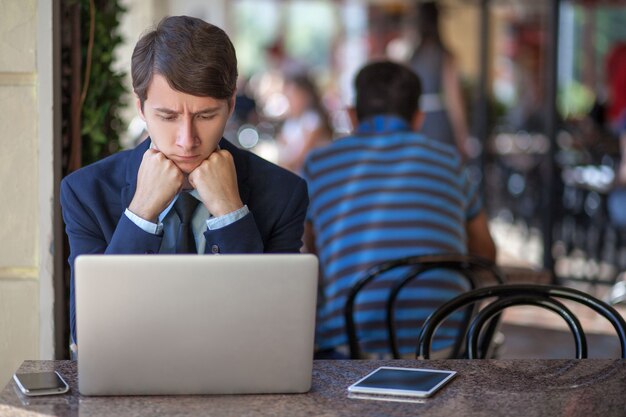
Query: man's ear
[
  {"x": 417, "y": 120},
  {"x": 353, "y": 118},
  {"x": 231, "y": 104},
  {"x": 139, "y": 108}
]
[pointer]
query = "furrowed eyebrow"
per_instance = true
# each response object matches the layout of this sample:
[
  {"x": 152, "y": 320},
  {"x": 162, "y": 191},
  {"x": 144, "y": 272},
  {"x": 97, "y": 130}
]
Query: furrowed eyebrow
[
  {"x": 203, "y": 111},
  {"x": 210, "y": 110},
  {"x": 164, "y": 110}
]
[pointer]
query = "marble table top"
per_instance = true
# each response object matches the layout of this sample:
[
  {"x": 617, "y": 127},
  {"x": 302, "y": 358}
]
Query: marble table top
[{"x": 589, "y": 387}]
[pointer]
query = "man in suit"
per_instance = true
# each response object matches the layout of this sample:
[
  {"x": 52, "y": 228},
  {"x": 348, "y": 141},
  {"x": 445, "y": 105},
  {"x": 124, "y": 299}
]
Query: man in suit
[{"x": 184, "y": 76}]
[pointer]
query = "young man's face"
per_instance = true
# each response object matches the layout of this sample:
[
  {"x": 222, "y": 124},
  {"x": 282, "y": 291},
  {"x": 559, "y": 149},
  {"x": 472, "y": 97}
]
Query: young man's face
[{"x": 185, "y": 128}]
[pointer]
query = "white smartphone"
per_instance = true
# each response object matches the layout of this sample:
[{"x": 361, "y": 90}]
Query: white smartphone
[
  {"x": 402, "y": 381},
  {"x": 41, "y": 383}
]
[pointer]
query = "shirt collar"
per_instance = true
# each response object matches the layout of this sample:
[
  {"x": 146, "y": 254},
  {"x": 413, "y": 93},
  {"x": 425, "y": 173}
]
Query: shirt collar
[
  {"x": 383, "y": 124},
  {"x": 193, "y": 192}
]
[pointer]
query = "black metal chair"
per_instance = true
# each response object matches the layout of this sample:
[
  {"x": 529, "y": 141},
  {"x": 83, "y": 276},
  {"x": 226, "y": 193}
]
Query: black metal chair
[
  {"x": 508, "y": 295},
  {"x": 467, "y": 266}
]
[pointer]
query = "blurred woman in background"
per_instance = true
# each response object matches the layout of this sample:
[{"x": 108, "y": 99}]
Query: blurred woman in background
[
  {"x": 442, "y": 98},
  {"x": 306, "y": 126}
]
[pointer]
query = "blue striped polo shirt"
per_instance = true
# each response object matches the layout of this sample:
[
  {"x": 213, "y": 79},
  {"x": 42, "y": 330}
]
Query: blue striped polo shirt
[{"x": 385, "y": 193}]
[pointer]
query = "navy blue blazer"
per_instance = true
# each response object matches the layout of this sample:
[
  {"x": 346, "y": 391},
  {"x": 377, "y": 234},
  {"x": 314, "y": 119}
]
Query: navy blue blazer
[{"x": 94, "y": 198}]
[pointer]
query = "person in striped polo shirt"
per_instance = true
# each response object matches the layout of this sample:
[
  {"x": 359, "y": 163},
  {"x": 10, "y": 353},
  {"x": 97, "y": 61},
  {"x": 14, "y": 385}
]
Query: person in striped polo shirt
[{"x": 383, "y": 193}]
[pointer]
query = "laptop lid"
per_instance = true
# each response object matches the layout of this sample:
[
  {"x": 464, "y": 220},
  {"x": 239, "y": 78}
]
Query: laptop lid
[{"x": 188, "y": 324}]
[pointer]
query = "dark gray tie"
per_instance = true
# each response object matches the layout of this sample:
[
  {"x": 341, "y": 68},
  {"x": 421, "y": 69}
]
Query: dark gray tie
[{"x": 185, "y": 206}]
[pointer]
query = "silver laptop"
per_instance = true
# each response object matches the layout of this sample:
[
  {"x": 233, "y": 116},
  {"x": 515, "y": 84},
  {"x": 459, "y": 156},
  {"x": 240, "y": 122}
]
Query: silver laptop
[{"x": 188, "y": 324}]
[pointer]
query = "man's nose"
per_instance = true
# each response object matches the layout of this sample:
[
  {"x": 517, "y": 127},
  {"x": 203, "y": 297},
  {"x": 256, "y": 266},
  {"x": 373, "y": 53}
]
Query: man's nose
[{"x": 186, "y": 133}]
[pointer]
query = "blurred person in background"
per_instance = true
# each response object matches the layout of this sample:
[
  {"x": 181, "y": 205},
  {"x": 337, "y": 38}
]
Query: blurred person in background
[
  {"x": 442, "y": 97},
  {"x": 384, "y": 193},
  {"x": 615, "y": 118},
  {"x": 245, "y": 104},
  {"x": 307, "y": 125}
]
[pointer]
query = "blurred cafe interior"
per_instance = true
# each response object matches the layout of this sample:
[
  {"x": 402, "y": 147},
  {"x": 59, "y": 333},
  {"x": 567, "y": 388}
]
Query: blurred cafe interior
[{"x": 538, "y": 85}]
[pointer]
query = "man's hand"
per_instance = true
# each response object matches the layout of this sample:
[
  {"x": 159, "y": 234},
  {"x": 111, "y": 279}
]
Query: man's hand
[
  {"x": 158, "y": 181},
  {"x": 216, "y": 181}
]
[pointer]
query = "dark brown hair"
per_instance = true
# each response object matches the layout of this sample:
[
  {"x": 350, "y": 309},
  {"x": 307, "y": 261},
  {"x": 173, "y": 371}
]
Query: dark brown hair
[
  {"x": 386, "y": 88},
  {"x": 304, "y": 82},
  {"x": 195, "y": 57},
  {"x": 428, "y": 22}
]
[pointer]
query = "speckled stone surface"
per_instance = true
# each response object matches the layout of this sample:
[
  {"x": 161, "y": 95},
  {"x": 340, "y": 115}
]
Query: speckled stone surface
[{"x": 591, "y": 387}]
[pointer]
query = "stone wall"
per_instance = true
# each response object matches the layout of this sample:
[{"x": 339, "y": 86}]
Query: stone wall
[{"x": 19, "y": 191}]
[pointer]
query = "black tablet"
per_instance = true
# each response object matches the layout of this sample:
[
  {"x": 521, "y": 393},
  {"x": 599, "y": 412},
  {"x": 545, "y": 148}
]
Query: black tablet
[{"x": 402, "y": 381}]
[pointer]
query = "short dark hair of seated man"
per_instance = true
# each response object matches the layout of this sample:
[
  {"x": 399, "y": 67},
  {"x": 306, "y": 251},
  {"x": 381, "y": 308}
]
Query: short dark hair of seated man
[
  {"x": 194, "y": 56},
  {"x": 387, "y": 192},
  {"x": 184, "y": 77},
  {"x": 387, "y": 88}
]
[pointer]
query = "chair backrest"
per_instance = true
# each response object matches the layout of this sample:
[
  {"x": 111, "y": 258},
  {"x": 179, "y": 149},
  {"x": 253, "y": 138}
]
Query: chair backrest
[
  {"x": 508, "y": 295},
  {"x": 472, "y": 268}
]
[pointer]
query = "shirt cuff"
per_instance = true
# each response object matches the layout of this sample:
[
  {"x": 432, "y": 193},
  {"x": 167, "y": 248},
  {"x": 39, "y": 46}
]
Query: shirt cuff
[
  {"x": 146, "y": 226},
  {"x": 229, "y": 218}
]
